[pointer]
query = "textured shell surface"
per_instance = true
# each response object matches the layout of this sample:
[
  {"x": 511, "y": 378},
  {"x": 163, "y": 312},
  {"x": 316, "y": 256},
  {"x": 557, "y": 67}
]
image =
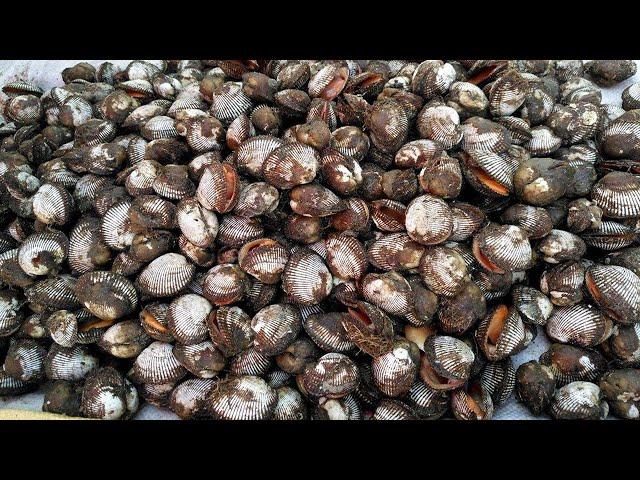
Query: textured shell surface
[
  {"x": 166, "y": 275},
  {"x": 157, "y": 364},
  {"x": 107, "y": 295},
  {"x": 243, "y": 398}
]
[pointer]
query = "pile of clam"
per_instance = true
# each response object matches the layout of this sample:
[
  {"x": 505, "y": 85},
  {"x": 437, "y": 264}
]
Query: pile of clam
[{"x": 246, "y": 239}]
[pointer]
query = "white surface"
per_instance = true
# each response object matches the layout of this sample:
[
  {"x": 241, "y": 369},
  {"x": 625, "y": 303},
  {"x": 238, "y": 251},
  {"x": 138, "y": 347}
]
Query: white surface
[{"x": 46, "y": 74}]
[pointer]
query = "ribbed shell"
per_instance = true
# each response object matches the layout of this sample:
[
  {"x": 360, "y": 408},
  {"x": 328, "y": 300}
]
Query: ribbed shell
[
  {"x": 263, "y": 259},
  {"x": 390, "y": 291},
  {"x": 201, "y": 359},
  {"x": 235, "y": 231},
  {"x": 519, "y": 129},
  {"x": 290, "y": 406},
  {"x": 157, "y": 394},
  {"x": 230, "y": 330},
  {"x": 306, "y": 278},
  {"x": 395, "y": 371},
  {"x": 346, "y": 257},
  {"x": 350, "y": 141},
  {"x": 86, "y": 189},
  {"x": 275, "y": 327},
  {"x": 188, "y": 399},
  {"x": 291, "y": 164},
  {"x": 417, "y": 154},
  {"x": 225, "y": 284},
  {"x": 388, "y": 215},
  {"x": 579, "y": 401},
  {"x": 482, "y": 135},
  {"x": 187, "y": 318},
  {"x": 509, "y": 338},
  {"x": 428, "y": 220},
  {"x": 151, "y": 211},
  {"x": 159, "y": 127},
  {"x": 250, "y": 362},
  {"x": 432, "y": 78},
  {"x": 173, "y": 182},
  {"x": 388, "y": 125},
  {"x": 11, "y": 386},
  {"x": 53, "y": 293},
  {"x": 238, "y": 131},
  {"x": 610, "y": 236},
  {"x": 489, "y": 173},
  {"x": 328, "y": 82},
  {"x": 621, "y": 139},
  {"x": 25, "y": 360},
  {"x": 104, "y": 395},
  {"x": 580, "y": 324},
  {"x": 166, "y": 275},
  {"x": 346, "y": 408},
  {"x": 157, "y": 364},
  {"x": 219, "y": 187},
  {"x": 63, "y": 328},
  {"x": 532, "y": 304},
  {"x": 427, "y": 402},
  {"x": 257, "y": 199},
  {"x": 87, "y": 251},
  {"x": 618, "y": 194},
  {"x": 393, "y": 410},
  {"x": 153, "y": 319},
  {"x": 252, "y": 153},
  {"x": 441, "y": 124},
  {"x": 617, "y": 290},
  {"x": 53, "y": 204},
  {"x": 243, "y": 398},
  {"x": 569, "y": 363},
  {"x": 467, "y": 220},
  {"x": 507, "y": 94},
  {"x": 107, "y": 295},
  {"x": 536, "y": 221},
  {"x": 498, "y": 379},
  {"x": 230, "y": 102},
  {"x": 326, "y": 331},
  {"x": 22, "y": 87},
  {"x": 543, "y": 142},
  {"x": 443, "y": 270},
  {"x": 563, "y": 283},
  {"x": 481, "y": 407},
  {"x": 395, "y": 251},
  {"x": 50, "y": 245},
  {"x": 505, "y": 246},
  {"x": 71, "y": 364},
  {"x": 24, "y": 109},
  {"x": 116, "y": 228},
  {"x": 10, "y": 315},
  {"x": 333, "y": 376},
  {"x": 449, "y": 357}
]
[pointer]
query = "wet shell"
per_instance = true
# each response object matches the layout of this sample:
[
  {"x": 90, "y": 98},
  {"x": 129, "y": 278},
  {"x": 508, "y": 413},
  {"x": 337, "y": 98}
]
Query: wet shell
[
  {"x": 291, "y": 164},
  {"x": 230, "y": 330},
  {"x": 580, "y": 325},
  {"x": 443, "y": 270},
  {"x": 501, "y": 333},
  {"x": 219, "y": 187},
  {"x": 229, "y": 102},
  {"x": 187, "y": 318},
  {"x": 579, "y": 401},
  {"x": 507, "y": 94},
  {"x": 502, "y": 248},
  {"x": 618, "y": 194},
  {"x": 87, "y": 251},
  {"x": 107, "y": 295},
  {"x": 151, "y": 211},
  {"x": 306, "y": 278},
  {"x": 225, "y": 284},
  {"x": 173, "y": 182},
  {"x": 418, "y": 154},
  {"x": 238, "y": 131},
  {"x": 533, "y": 305},
  {"x": 197, "y": 224},
  {"x": 188, "y": 399},
  {"x": 25, "y": 360},
  {"x": 53, "y": 293},
  {"x": 275, "y": 327},
  {"x": 488, "y": 173},
  {"x": 264, "y": 259},
  {"x": 432, "y": 78},
  {"x": 104, "y": 395},
  {"x": 570, "y": 364},
  {"x": 536, "y": 221},
  {"x": 242, "y": 398},
  {"x": 157, "y": 364},
  {"x": 334, "y": 375},
  {"x": 250, "y": 362},
  {"x": 446, "y": 363},
  {"x": 388, "y": 125},
  {"x": 24, "y": 109},
  {"x": 326, "y": 331},
  {"x": 395, "y": 372},
  {"x": 441, "y": 124},
  {"x": 166, "y": 275},
  {"x": 472, "y": 403},
  {"x": 257, "y": 199},
  {"x": 53, "y": 204},
  {"x": 499, "y": 380},
  {"x": 71, "y": 364},
  {"x": 10, "y": 315},
  {"x": 616, "y": 290},
  {"x": 115, "y": 227},
  {"x": 42, "y": 253},
  {"x": 290, "y": 406},
  {"x": 428, "y": 220},
  {"x": 350, "y": 141},
  {"x": 201, "y": 359},
  {"x": 328, "y": 82},
  {"x": 252, "y": 153},
  {"x": 346, "y": 257},
  {"x": 63, "y": 328},
  {"x": 610, "y": 236},
  {"x": 388, "y": 215},
  {"x": 429, "y": 404}
]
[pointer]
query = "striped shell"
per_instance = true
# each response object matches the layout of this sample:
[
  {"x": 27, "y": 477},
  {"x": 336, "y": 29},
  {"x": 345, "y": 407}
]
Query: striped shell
[
  {"x": 43, "y": 252},
  {"x": 115, "y": 227},
  {"x": 346, "y": 257},
  {"x": 333, "y": 376},
  {"x": 580, "y": 325},
  {"x": 563, "y": 283},
  {"x": 395, "y": 372},
  {"x": 235, "y": 231},
  {"x": 467, "y": 220},
  {"x": 489, "y": 173},
  {"x": 326, "y": 331},
  {"x": 157, "y": 364},
  {"x": 63, "y": 328},
  {"x": 219, "y": 187},
  {"x": 498, "y": 379},
  {"x": 71, "y": 364},
  {"x": 159, "y": 127},
  {"x": 428, "y": 403},
  {"x": 87, "y": 251},
  {"x": 225, "y": 284},
  {"x": 238, "y": 131},
  {"x": 124, "y": 339},
  {"x": 395, "y": 251},
  {"x": 428, "y": 220},
  {"x": 579, "y": 401},
  {"x": 104, "y": 395},
  {"x": 53, "y": 293},
  {"x": 533, "y": 305},
  {"x": 569, "y": 363},
  {"x": 107, "y": 295},
  {"x": 187, "y": 318},
  {"x": 536, "y": 221},
  {"x": 250, "y": 362},
  {"x": 242, "y": 398},
  {"x": 197, "y": 224},
  {"x": 230, "y": 330},
  {"x": 10, "y": 315},
  {"x": 328, "y": 82},
  {"x": 389, "y": 291},
  {"x": 441, "y": 124},
  {"x": 618, "y": 194},
  {"x": 446, "y": 363},
  {"x": 53, "y": 204},
  {"x": 188, "y": 399},
  {"x": 472, "y": 402},
  {"x": 24, "y": 109},
  {"x": 229, "y": 102},
  {"x": 264, "y": 259},
  {"x": 501, "y": 333},
  {"x": 252, "y": 153},
  {"x": 11, "y": 386},
  {"x": 388, "y": 125},
  {"x": 306, "y": 278},
  {"x": 616, "y": 290},
  {"x": 153, "y": 318},
  {"x": 610, "y": 236},
  {"x": 25, "y": 360},
  {"x": 418, "y": 154},
  {"x": 290, "y": 406},
  {"x": 201, "y": 359},
  {"x": 275, "y": 327},
  {"x": 166, "y": 275},
  {"x": 502, "y": 248},
  {"x": 443, "y": 270},
  {"x": 291, "y": 164},
  {"x": 507, "y": 94}
]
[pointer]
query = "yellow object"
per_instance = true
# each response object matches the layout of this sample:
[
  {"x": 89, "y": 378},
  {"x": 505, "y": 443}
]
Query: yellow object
[{"x": 15, "y": 414}]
